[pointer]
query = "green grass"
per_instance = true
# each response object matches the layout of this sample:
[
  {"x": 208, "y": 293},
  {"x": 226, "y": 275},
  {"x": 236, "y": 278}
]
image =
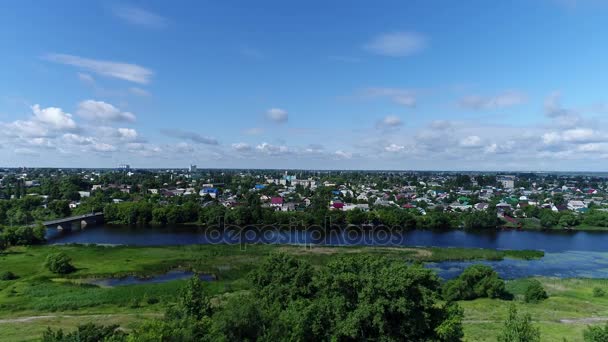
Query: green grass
[{"x": 568, "y": 299}]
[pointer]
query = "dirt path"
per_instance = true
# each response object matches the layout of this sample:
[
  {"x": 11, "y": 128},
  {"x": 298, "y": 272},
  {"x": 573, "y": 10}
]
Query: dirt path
[{"x": 35, "y": 318}]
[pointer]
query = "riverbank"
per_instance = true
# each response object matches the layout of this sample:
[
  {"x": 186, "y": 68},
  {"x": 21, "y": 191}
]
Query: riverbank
[{"x": 38, "y": 299}]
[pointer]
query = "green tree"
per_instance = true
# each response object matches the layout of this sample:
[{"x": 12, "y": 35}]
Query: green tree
[
  {"x": 475, "y": 281},
  {"x": 193, "y": 301},
  {"x": 535, "y": 292},
  {"x": 518, "y": 328},
  {"x": 59, "y": 263}
]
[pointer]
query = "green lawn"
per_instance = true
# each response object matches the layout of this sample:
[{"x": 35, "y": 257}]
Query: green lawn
[{"x": 570, "y": 299}]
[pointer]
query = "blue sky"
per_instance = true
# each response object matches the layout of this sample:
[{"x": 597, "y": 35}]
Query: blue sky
[{"x": 469, "y": 85}]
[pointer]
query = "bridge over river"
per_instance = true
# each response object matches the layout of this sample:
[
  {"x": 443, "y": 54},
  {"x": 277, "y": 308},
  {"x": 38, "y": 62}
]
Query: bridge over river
[{"x": 75, "y": 222}]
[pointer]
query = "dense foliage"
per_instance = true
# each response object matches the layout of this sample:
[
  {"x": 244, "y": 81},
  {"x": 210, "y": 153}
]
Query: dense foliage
[
  {"x": 596, "y": 334},
  {"x": 59, "y": 263},
  {"x": 477, "y": 281},
  {"x": 354, "y": 298},
  {"x": 24, "y": 235},
  {"x": 535, "y": 292},
  {"x": 86, "y": 333},
  {"x": 519, "y": 328}
]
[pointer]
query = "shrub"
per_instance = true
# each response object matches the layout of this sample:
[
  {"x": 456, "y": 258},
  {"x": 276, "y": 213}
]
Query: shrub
[
  {"x": 598, "y": 292},
  {"x": 596, "y": 334},
  {"x": 476, "y": 281},
  {"x": 59, "y": 263},
  {"x": 86, "y": 332},
  {"x": 8, "y": 275},
  {"x": 535, "y": 292},
  {"x": 518, "y": 328}
]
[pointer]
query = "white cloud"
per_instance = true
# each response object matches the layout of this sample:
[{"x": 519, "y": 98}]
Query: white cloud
[
  {"x": 390, "y": 121},
  {"x": 471, "y": 141},
  {"x": 120, "y": 70},
  {"x": 127, "y": 133},
  {"x": 503, "y": 100},
  {"x": 241, "y": 147},
  {"x": 400, "y": 96},
  {"x": 277, "y": 115},
  {"x": 394, "y": 148},
  {"x": 397, "y": 44},
  {"x": 43, "y": 123},
  {"x": 54, "y": 117},
  {"x": 575, "y": 135},
  {"x": 103, "y": 147},
  {"x": 139, "y": 16},
  {"x": 76, "y": 139},
  {"x": 343, "y": 155},
  {"x": 102, "y": 111},
  {"x": 271, "y": 149}
]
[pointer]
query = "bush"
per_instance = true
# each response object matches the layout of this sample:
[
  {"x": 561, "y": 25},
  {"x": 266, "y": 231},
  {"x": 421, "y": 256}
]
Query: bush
[
  {"x": 59, "y": 263},
  {"x": 596, "y": 334},
  {"x": 535, "y": 292},
  {"x": 598, "y": 292},
  {"x": 86, "y": 332},
  {"x": 477, "y": 281},
  {"x": 8, "y": 275},
  {"x": 518, "y": 328}
]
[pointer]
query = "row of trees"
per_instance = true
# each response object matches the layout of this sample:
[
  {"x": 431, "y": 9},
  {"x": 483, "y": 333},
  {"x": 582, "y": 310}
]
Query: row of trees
[{"x": 142, "y": 213}]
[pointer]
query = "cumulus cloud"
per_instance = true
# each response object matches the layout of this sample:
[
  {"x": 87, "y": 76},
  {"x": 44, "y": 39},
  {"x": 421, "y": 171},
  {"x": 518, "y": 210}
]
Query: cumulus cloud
[
  {"x": 400, "y": 96},
  {"x": 471, "y": 141},
  {"x": 124, "y": 71},
  {"x": 127, "y": 133},
  {"x": 397, "y": 44},
  {"x": 54, "y": 117},
  {"x": 271, "y": 149},
  {"x": 575, "y": 135},
  {"x": 241, "y": 147},
  {"x": 102, "y": 111},
  {"x": 103, "y": 147},
  {"x": 499, "y": 101},
  {"x": 390, "y": 121},
  {"x": 140, "y": 17},
  {"x": 76, "y": 139},
  {"x": 277, "y": 115},
  {"x": 394, "y": 148},
  {"x": 193, "y": 136},
  {"x": 44, "y": 122}
]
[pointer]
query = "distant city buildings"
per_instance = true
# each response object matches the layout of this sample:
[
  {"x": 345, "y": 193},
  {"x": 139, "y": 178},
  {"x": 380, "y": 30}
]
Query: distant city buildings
[{"x": 507, "y": 181}]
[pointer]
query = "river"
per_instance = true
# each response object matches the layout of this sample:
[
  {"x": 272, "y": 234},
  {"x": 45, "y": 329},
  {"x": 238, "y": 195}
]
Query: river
[{"x": 568, "y": 254}]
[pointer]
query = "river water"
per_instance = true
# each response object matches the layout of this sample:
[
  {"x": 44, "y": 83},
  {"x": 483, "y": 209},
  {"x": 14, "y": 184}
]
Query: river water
[{"x": 568, "y": 254}]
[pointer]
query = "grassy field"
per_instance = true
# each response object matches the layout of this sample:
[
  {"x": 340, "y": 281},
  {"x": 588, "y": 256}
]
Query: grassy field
[
  {"x": 66, "y": 302},
  {"x": 570, "y": 308}
]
